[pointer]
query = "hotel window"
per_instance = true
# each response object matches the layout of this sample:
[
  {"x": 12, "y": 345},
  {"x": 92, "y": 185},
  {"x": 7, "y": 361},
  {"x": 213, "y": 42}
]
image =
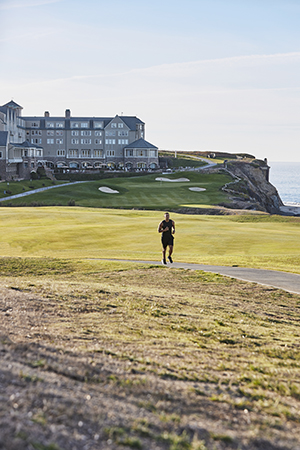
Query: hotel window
[
  {"x": 74, "y": 125},
  {"x": 86, "y": 141},
  {"x": 98, "y": 153},
  {"x": 123, "y": 133},
  {"x": 49, "y": 124},
  {"x": 74, "y": 133},
  {"x": 120, "y": 125},
  {"x": 59, "y": 124},
  {"x": 98, "y": 133},
  {"x": 110, "y": 141},
  {"x": 113, "y": 125},
  {"x": 36, "y": 132},
  {"x": 74, "y": 141},
  {"x": 36, "y": 141},
  {"x": 86, "y": 133},
  {"x": 110, "y": 153},
  {"x": 50, "y": 133},
  {"x": 110, "y": 133},
  {"x": 85, "y": 152},
  {"x": 59, "y": 141},
  {"x": 98, "y": 124},
  {"x": 61, "y": 152},
  {"x": 50, "y": 141},
  {"x": 98, "y": 141},
  {"x": 73, "y": 152},
  {"x": 129, "y": 152},
  {"x": 84, "y": 125},
  {"x": 38, "y": 153},
  {"x": 35, "y": 124},
  {"x": 59, "y": 133},
  {"x": 123, "y": 141}
]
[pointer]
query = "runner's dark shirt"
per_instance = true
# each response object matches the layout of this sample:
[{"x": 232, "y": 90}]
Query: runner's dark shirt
[{"x": 166, "y": 224}]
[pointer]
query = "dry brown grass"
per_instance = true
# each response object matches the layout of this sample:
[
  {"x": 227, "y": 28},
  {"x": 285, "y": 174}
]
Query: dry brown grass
[{"x": 102, "y": 355}]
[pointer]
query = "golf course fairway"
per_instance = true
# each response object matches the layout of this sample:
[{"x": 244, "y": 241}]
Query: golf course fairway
[{"x": 261, "y": 241}]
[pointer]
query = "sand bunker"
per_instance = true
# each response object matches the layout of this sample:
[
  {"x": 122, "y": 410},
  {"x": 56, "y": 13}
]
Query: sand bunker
[
  {"x": 108, "y": 190},
  {"x": 197, "y": 189},
  {"x": 172, "y": 181}
]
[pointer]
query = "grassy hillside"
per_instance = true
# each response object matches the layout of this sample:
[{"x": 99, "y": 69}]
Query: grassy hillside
[
  {"x": 105, "y": 356},
  {"x": 260, "y": 241},
  {"x": 136, "y": 192}
]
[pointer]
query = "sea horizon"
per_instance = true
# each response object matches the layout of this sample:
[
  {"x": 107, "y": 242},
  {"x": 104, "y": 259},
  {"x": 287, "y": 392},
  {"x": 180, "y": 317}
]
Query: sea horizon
[{"x": 285, "y": 176}]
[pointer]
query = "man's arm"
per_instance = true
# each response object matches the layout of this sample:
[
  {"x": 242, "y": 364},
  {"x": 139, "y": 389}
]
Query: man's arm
[
  {"x": 160, "y": 227},
  {"x": 173, "y": 226}
]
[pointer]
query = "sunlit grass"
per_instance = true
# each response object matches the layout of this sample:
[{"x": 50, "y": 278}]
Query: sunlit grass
[{"x": 260, "y": 241}]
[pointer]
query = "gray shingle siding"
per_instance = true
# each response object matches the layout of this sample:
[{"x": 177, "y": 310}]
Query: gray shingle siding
[
  {"x": 3, "y": 138},
  {"x": 77, "y": 142}
]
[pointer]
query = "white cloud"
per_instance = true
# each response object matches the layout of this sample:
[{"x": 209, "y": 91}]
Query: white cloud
[
  {"x": 239, "y": 104},
  {"x": 29, "y": 36},
  {"x": 25, "y": 4}
]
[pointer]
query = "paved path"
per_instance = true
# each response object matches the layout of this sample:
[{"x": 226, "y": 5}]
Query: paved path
[
  {"x": 34, "y": 191},
  {"x": 282, "y": 280}
]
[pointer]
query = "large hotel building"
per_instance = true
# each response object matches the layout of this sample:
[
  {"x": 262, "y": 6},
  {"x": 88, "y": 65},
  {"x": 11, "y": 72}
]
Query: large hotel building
[{"x": 71, "y": 143}]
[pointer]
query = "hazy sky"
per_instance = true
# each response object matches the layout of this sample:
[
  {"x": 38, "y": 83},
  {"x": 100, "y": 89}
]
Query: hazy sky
[{"x": 203, "y": 74}]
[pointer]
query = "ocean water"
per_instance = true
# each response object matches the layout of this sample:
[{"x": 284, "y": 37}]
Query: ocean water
[{"x": 285, "y": 176}]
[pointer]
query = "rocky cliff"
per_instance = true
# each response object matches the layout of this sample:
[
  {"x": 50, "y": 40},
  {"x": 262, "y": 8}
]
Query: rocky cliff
[{"x": 250, "y": 188}]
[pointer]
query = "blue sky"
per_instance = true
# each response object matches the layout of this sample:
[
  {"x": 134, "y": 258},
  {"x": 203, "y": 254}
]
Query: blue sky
[{"x": 203, "y": 74}]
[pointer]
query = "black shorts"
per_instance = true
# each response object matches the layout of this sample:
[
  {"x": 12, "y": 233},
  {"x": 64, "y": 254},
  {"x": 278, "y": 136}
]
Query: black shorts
[{"x": 167, "y": 240}]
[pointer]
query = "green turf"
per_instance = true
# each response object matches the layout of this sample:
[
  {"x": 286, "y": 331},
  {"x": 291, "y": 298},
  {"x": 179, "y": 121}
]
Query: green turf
[
  {"x": 136, "y": 192},
  {"x": 254, "y": 241},
  {"x": 18, "y": 187}
]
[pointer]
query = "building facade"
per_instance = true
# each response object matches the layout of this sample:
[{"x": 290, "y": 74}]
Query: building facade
[{"x": 71, "y": 143}]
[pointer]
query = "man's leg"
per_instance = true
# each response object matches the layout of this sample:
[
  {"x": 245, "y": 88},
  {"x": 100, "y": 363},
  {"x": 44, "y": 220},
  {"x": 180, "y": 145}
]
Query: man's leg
[
  {"x": 164, "y": 255},
  {"x": 170, "y": 253}
]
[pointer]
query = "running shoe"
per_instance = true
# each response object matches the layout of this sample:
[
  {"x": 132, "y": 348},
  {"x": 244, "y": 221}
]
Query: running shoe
[
  {"x": 163, "y": 261},
  {"x": 170, "y": 259}
]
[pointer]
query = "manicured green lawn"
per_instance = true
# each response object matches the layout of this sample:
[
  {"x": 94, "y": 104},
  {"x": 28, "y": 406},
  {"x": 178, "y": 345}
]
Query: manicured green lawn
[
  {"x": 254, "y": 241},
  {"x": 18, "y": 187},
  {"x": 137, "y": 192}
]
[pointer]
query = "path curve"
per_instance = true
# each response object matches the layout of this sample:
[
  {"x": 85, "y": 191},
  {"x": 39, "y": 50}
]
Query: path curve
[
  {"x": 289, "y": 282},
  {"x": 34, "y": 191}
]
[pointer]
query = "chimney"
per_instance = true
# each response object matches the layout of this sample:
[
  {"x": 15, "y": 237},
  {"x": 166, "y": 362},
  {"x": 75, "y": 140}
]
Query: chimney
[
  {"x": 68, "y": 114},
  {"x": 47, "y": 114}
]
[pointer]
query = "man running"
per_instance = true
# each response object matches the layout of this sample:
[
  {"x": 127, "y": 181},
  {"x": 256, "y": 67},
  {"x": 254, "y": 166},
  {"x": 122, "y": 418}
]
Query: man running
[{"x": 167, "y": 228}]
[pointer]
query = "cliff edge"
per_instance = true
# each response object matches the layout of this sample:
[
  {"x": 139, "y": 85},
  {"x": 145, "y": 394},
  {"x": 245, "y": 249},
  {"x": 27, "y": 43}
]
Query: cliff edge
[{"x": 250, "y": 188}]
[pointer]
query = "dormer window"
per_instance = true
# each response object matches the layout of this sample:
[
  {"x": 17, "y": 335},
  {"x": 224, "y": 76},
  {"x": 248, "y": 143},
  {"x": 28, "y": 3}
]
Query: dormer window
[{"x": 113, "y": 125}]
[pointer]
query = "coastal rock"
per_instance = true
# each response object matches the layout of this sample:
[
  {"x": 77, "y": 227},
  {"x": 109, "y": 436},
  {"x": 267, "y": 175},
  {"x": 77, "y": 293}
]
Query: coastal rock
[{"x": 251, "y": 188}]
